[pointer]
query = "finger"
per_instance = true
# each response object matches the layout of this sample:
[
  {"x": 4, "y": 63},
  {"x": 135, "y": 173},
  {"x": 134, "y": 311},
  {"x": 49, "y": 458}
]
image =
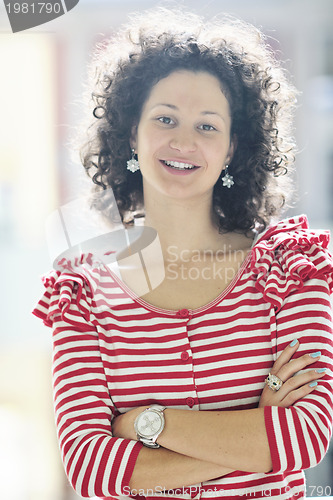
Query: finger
[
  {"x": 285, "y": 356},
  {"x": 298, "y": 394},
  {"x": 296, "y": 365},
  {"x": 298, "y": 381}
]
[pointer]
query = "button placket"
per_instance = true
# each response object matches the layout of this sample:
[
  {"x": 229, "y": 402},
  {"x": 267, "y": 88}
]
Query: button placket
[
  {"x": 183, "y": 313},
  {"x": 186, "y": 355},
  {"x": 190, "y": 402}
]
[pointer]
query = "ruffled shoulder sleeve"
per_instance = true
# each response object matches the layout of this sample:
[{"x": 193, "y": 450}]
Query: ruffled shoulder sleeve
[
  {"x": 69, "y": 291},
  {"x": 287, "y": 255}
]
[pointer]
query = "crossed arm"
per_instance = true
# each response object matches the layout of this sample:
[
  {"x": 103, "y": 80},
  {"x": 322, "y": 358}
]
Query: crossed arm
[{"x": 198, "y": 446}]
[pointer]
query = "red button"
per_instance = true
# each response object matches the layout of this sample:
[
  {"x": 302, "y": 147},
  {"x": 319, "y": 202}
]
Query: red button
[
  {"x": 185, "y": 356},
  {"x": 183, "y": 313},
  {"x": 190, "y": 402}
]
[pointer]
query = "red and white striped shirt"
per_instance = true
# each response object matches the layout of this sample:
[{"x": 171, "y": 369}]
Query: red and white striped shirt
[{"x": 113, "y": 352}]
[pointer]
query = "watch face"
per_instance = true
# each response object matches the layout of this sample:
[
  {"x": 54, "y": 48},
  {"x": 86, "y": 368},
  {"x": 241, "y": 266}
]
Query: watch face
[{"x": 149, "y": 424}]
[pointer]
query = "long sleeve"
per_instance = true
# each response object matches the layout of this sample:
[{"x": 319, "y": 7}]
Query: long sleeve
[
  {"x": 96, "y": 463},
  {"x": 299, "y": 436},
  {"x": 294, "y": 272}
]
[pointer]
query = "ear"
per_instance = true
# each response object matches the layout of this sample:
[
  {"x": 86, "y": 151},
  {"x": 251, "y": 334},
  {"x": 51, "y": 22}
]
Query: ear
[
  {"x": 232, "y": 149},
  {"x": 133, "y": 138}
]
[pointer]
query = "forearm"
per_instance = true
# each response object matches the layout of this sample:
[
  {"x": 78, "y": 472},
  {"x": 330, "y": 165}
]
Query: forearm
[
  {"x": 160, "y": 469},
  {"x": 235, "y": 439}
]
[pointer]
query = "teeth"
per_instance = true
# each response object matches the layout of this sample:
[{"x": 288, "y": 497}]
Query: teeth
[{"x": 179, "y": 165}]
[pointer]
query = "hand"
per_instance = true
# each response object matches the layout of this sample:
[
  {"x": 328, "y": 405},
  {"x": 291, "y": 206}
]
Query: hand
[
  {"x": 123, "y": 425},
  {"x": 294, "y": 386}
]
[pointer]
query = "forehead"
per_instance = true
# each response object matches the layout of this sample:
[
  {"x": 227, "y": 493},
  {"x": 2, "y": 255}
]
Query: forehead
[{"x": 188, "y": 88}]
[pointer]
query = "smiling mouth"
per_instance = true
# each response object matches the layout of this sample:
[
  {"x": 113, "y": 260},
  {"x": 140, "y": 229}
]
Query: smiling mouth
[{"x": 177, "y": 165}]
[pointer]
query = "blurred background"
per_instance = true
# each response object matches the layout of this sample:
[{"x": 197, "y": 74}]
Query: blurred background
[{"x": 43, "y": 71}]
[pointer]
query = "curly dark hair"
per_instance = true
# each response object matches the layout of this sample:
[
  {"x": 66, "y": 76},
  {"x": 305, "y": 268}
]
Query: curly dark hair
[{"x": 262, "y": 102}]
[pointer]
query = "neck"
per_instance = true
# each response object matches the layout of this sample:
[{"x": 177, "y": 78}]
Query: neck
[{"x": 187, "y": 225}]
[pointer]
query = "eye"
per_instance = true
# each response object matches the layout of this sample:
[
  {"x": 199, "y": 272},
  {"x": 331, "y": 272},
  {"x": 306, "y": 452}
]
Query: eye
[
  {"x": 166, "y": 120},
  {"x": 206, "y": 128}
]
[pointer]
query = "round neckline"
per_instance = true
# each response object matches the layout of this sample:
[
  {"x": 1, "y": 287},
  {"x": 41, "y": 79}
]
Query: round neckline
[{"x": 191, "y": 312}]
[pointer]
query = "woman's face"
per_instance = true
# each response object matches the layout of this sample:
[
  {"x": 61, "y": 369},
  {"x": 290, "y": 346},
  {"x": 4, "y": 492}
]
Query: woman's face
[{"x": 183, "y": 136}]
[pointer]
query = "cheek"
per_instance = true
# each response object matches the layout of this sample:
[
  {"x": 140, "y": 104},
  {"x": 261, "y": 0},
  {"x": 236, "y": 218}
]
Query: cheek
[
  {"x": 150, "y": 140},
  {"x": 220, "y": 150}
]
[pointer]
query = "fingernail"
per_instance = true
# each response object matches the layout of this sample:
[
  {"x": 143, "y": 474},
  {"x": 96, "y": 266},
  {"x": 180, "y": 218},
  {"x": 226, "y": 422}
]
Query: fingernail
[
  {"x": 293, "y": 343},
  {"x": 313, "y": 384},
  {"x": 321, "y": 370},
  {"x": 315, "y": 354}
]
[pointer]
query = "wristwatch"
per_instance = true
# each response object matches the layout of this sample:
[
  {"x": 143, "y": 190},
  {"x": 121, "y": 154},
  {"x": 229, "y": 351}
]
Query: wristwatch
[{"x": 149, "y": 425}]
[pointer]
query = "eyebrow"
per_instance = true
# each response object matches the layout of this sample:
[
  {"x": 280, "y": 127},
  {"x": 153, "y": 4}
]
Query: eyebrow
[
  {"x": 172, "y": 106},
  {"x": 212, "y": 113}
]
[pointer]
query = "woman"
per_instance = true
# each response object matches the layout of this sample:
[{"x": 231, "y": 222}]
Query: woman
[{"x": 217, "y": 382}]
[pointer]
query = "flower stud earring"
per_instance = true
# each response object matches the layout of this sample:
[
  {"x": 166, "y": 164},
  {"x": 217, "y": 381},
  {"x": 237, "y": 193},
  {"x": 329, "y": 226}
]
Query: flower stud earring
[
  {"x": 227, "y": 179},
  {"x": 133, "y": 164}
]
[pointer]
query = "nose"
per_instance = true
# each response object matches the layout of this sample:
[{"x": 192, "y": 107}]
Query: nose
[{"x": 183, "y": 140}]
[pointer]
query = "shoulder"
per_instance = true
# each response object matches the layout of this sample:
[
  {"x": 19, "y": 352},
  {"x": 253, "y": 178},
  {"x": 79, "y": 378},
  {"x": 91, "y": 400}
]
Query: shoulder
[
  {"x": 71, "y": 290},
  {"x": 289, "y": 254}
]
